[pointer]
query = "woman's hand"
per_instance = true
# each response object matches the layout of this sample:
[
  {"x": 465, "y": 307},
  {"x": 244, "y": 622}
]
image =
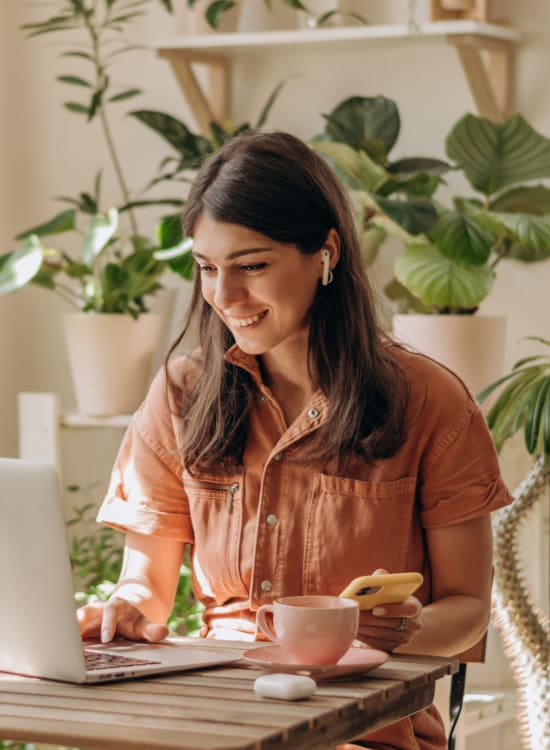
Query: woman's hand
[
  {"x": 117, "y": 616},
  {"x": 388, "y": 626}
]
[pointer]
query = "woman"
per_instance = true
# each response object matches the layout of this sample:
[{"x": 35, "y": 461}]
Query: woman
[{"x": 298, "y": 448}]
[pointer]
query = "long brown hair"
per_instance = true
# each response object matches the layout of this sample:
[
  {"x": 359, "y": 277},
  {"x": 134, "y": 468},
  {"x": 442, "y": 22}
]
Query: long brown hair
[{"x": 276, "y": 185}]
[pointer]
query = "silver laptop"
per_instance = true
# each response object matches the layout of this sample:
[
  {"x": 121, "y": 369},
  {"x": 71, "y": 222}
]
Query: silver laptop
[{"x": 39, "y": 633}]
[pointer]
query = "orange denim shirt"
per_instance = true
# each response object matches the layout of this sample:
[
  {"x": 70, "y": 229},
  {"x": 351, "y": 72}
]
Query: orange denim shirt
[{"x": 282, "y": 525}]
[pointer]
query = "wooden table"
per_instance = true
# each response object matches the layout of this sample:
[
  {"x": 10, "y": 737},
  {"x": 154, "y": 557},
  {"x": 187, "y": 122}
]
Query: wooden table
[{"x": 214, "y": 709}]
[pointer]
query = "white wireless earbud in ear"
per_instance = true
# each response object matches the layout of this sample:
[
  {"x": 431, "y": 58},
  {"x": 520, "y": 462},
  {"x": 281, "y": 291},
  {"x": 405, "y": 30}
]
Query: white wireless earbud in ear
[{"x": 327, "y": 276}]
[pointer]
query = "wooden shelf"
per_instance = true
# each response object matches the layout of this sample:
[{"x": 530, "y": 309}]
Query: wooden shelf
[
  {"x": 77, "y": 420},
  {"x": 489, "y": 80}
]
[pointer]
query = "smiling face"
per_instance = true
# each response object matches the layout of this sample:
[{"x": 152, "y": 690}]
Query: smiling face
[{"x": 261, "y": 289}]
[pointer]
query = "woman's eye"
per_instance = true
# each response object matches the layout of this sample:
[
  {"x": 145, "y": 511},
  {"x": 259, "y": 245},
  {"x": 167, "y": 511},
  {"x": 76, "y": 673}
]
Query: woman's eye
[
  {"x": 203, "y": 268},
  {"x": 253, "y": 266}
]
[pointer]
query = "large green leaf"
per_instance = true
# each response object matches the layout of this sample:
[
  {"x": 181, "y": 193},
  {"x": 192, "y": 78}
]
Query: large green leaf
[
  {"x": 415, "y": 215},
  {"x": 440, "y": 282},
  {"x": 20, "y": 266},
  {"x": 176, "y": 133},
  {"x": 496, "y": 155},
  {"x": 100, "y": 230},
  {"x": 354, "y": 167},
  {"x": 62, "y": 222},
  {"x": 461, "y": 238},
  {"x": 526, "y": 200},
  {"x": 368, "y": 123},
  {"x": 530, "y": 234},
  {"x": 419, "y": 185}
]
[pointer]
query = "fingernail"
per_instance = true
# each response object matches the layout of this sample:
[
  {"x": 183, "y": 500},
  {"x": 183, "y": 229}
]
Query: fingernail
[
  {"x": 105, "y": 636},
  {"x": 379, "y": 611}
]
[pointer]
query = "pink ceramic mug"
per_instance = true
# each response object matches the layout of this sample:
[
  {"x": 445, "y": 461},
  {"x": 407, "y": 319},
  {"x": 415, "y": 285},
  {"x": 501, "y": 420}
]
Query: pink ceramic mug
[{"x": 311, "y": 629}]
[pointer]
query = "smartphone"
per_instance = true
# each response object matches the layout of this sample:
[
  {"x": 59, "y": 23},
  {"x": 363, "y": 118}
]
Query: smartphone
[{"x": 384, "y": 588}]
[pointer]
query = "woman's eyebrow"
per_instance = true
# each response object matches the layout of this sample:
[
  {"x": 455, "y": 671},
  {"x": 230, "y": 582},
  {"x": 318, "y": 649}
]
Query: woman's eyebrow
[{"x": 237, "y": 253}]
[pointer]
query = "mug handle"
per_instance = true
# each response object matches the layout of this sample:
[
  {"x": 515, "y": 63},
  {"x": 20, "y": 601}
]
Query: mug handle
[{"x": 263, "y": 624}]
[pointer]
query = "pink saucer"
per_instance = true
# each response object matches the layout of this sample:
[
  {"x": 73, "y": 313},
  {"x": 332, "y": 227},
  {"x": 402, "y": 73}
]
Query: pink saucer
[{"x": 355, "y": 661}]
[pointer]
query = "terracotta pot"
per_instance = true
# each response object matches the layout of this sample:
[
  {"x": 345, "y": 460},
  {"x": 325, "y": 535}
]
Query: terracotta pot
[
  {"x": 191, "y": 21},
  {"x": 110, "y": 358},
  {"x": 470, "y": 345}
]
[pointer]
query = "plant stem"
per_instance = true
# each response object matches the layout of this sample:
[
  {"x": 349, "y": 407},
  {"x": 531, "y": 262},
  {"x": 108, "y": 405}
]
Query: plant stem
[
  {"x": 105, "y": 123},
  {"x": 66, "y": 298},
  {"x": 501, "y": 249}
]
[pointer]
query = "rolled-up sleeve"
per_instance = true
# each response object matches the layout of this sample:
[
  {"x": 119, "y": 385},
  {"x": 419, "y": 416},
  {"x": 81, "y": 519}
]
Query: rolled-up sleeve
[
  {"x": 145, "y": 492},
  {"x": 460, "y": 477}
]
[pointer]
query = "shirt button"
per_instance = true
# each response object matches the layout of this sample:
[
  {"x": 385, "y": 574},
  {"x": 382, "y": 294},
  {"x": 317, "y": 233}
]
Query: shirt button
[
  {"x": 312, "y": 413},
  {"x": 272, "y": 519},
  {"x": 278, "y": 456},
  {"x": 266, "y": 585}
]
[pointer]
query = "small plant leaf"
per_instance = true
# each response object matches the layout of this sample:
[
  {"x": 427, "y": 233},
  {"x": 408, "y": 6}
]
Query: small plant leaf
[
  {"x": 216, "y": 11},
  {"x": 101, "y": 229},
  {"x": 62, "y": 222},
  {"x": 74, "y": 81},
  {"x": 20, "y": 266},
  {"x": 80, "y": 109},
  {"x": 123, "y": 95}
]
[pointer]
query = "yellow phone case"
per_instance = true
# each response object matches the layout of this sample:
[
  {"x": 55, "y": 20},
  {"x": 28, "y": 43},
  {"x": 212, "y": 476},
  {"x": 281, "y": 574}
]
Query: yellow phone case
[{"x": 385, "y": 588}]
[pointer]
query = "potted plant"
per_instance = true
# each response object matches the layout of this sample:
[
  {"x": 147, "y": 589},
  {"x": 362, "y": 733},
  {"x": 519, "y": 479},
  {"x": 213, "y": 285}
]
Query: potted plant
[
  {"x": 441, "y": 280},
  {"x": 523, "y": 403},
  {"x": 448, "y": 266},
  {"x": 205, "y": 16},
  {"x": 119, "y": 268},
  {"x": 390, "y": 198}
]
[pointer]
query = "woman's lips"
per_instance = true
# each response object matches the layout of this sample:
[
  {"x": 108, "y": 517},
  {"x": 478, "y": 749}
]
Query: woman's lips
[{"x": 247, "y": 321}]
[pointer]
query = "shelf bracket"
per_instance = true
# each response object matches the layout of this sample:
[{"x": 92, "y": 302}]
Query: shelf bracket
[
  {"x": 490, "y": 80},
  {"x": 209, "y": 100}
]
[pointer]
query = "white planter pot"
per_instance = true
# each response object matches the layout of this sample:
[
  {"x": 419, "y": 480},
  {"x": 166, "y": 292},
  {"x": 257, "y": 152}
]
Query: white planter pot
[
  {"x": 470, "y": 345},
  {"x": 110, "y": 358},
  {"x": 460, "y": 5},
  {"x": 191, "y": 21}
]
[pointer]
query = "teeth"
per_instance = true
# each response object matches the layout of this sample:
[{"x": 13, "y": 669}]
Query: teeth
[{"x": 244, "y": 322}]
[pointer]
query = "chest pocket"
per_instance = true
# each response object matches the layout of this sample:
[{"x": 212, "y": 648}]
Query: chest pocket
[
  {"x": 216, "y": 509},
  {"x": 354, "y": 527}
]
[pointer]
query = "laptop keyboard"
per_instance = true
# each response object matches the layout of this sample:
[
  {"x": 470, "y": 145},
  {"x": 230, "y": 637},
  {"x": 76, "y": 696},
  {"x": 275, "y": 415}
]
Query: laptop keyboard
[{"x": 101, "y": 660}]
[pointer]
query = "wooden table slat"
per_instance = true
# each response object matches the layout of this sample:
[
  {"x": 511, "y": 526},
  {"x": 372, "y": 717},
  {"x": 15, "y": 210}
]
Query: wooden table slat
[
  {"x": 213, "y": 709},
  {"x": 80, "y": 734}
]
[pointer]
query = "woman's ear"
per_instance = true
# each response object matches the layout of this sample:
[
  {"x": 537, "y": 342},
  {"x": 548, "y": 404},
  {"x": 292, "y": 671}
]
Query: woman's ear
[
  {"x": 330, "y": 255},
  {"x": 332, "y": 244}
]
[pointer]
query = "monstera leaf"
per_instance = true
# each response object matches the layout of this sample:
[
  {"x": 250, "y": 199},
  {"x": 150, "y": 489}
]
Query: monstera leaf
[
  {"x": 440, "y": 282},
  {"x": 497, "y": 155}
]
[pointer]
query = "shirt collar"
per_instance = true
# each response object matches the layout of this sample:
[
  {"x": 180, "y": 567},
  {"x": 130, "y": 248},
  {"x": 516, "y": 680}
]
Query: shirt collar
[
  {"x": 249, "y": 362},
  {"x": 235, "y": 356}
]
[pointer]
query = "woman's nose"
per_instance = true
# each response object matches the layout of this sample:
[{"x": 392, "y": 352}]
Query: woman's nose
[{"x": 227, "y": 291}]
